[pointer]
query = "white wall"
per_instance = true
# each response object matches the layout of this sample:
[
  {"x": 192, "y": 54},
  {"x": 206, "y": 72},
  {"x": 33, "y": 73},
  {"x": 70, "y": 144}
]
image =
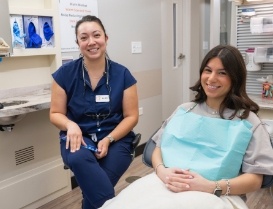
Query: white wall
[{"x": 137, "y": 20}]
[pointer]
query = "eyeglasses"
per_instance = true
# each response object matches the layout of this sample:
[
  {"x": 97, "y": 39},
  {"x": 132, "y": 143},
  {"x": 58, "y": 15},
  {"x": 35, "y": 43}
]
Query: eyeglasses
[{"x": 99, "y": 117}]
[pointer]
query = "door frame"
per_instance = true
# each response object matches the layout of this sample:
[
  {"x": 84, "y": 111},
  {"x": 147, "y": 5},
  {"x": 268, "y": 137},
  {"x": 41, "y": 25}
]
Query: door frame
[{"x": 176, "y": 81}]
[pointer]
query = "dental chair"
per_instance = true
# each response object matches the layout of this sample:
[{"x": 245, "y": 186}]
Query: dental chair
[
  {"x": 147, "y": 160},
  {"x": 135, "y": 142}
]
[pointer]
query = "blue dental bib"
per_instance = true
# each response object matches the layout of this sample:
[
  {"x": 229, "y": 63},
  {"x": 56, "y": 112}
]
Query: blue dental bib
[{"x": 212, "y": 147}]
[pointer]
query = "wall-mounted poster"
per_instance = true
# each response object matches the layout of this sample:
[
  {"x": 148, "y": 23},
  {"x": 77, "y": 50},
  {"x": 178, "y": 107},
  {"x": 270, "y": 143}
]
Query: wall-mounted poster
[{"x": 70, "y": 12}]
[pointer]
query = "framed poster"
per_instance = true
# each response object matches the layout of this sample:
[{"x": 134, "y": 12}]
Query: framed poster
[{"x": 70, "y": 12}]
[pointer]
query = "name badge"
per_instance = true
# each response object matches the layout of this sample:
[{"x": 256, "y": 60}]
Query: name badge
[{"x": 102, "y": 98}]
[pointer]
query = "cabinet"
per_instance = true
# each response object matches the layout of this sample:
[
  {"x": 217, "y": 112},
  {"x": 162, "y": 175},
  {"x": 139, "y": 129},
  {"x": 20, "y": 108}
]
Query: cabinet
[
  {"x": 25, "y": 73},
  {"x": 47, "y": 8}
]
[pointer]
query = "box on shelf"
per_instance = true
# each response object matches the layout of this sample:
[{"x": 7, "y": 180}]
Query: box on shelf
[
  {"x": 259, "y": 25},
  {"x": 17, "y": 31},
  {"x": 31, "y": 28},
  {"x": 46, "y": 31}
]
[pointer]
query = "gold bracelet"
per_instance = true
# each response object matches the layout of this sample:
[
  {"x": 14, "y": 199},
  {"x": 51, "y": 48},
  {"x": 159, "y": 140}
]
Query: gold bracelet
[
  {"x": 228, "y": 187},
  {"x": 158, "y": 166}
]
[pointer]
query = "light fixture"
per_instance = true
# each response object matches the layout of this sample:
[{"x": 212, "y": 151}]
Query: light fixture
[{"x": 238, "y": 2}]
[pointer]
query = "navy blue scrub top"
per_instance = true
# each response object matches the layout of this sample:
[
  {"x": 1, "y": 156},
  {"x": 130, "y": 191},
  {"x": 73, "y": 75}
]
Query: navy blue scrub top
[{"x": 94, "y": 117}]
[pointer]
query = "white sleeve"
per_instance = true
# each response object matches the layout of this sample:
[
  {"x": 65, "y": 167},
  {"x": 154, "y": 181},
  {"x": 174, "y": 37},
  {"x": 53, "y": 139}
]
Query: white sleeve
[{"x": 259, "y": 155}]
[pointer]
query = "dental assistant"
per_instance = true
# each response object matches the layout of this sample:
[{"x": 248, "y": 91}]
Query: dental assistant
[{"x": 94, "y": 103}]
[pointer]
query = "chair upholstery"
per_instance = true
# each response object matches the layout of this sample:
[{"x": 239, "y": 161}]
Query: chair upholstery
[
  {"x": 267, "y": 181},
  {"x": 147, "y": 160},
  {"x": 135, "y": 142},
  {"x": 147, "y": 153}
]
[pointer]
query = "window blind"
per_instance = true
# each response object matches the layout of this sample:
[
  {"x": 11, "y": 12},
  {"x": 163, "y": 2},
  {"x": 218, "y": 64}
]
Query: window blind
[{"x": 245, "y": 40}]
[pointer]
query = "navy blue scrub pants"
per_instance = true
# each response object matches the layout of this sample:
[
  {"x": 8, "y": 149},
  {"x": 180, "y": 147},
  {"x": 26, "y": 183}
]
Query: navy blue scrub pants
[{"x": 97, "y": 177}]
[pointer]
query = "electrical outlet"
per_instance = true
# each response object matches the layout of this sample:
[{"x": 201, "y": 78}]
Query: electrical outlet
[
  {"x": 140, "y": 111},
  {"x": 136, "y": 47}
]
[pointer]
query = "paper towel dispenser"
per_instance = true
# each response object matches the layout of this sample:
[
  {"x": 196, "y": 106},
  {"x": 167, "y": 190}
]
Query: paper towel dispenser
[{"x": 251, "y": 65}]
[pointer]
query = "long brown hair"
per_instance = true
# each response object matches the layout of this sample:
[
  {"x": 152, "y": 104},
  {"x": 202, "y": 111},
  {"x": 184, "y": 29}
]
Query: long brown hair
[{"x": 237, "y": 98}]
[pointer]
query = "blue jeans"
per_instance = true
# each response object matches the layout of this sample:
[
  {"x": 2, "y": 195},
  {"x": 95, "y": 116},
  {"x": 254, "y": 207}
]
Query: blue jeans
[{"x": 97, "y": 177}]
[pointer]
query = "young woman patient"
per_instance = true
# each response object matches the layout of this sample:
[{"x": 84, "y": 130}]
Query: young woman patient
[{"x": 211, "y": 150}]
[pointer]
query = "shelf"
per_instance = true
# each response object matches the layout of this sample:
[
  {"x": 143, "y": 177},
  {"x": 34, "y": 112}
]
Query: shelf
[
  {"x": 4, "y": 54},
  {"x": 34, "y": 12},
  {"x": 263, "y": 60},
  {"x": 40, "y": 8},
  {"x": 33, "y": 52}
]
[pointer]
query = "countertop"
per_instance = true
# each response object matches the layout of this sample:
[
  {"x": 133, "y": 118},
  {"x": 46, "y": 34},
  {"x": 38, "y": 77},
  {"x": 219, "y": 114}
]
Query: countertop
[
  {"x": 264, "y": 103},
  {"x": 37, "y": 97}
]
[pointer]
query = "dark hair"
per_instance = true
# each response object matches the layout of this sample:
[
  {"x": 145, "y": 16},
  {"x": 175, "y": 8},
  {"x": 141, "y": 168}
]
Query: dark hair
[
  {"x": 237, "y": 98},
  {"x": 88, "y": 18}
]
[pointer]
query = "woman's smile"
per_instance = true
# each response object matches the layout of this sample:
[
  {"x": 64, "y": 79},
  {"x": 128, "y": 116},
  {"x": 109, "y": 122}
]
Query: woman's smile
[{"x": 215, "y": 81}]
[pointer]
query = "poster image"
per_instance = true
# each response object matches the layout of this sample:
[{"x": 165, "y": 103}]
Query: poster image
[{"x": 70, "y": 12}]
